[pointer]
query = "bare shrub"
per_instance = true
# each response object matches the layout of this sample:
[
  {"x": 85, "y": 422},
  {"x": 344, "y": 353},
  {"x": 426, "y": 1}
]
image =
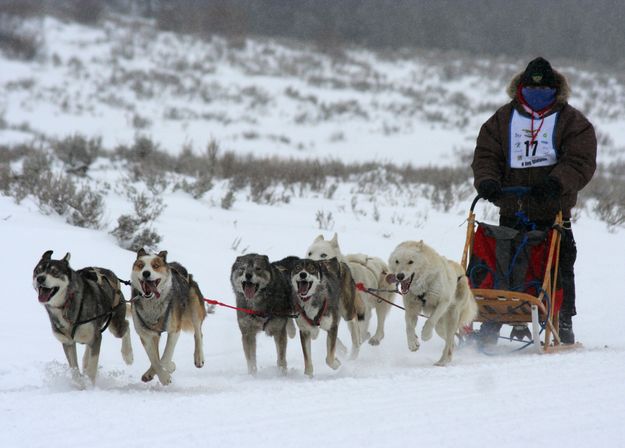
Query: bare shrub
[
  {"x": 330, "y": 191},
  {"x": 78, "y": 152},
  {"x": 148, "y": 163},
  {"x": 134, "y": 231},
  {"x": 228, "y": 200},
  {"x": 34, "y": 167},
  {"x": 16, "y": 41},
  {"x": 57, "y": 193},
  {"x": 607, "y": 190},
  {"x": 196, "y": 188},
  {"x": 87, "y": 12},
  {"x": 5, "y": 179},
  {"x": 259, "y": 187},
  {"x": 325, "y": 220}
]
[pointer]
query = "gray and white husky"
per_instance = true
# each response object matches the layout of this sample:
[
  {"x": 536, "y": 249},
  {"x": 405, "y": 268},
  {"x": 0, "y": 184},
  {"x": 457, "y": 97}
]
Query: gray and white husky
[
  {"x": 81, "y": 305},
  {"x": 323, "y": 292},
  {"x": 262, "y": 288},
  {"x": 165, "y": 299},
  {"x": 371, "y": 272}
]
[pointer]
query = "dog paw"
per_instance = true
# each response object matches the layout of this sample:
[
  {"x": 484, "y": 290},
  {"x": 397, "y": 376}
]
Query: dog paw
[
  {"x": 413, "y": 344},
  {"x": 282, "y": 368},
  {"x": 148, "y": 376},
  {"x": 199, "y": 360},
  {"x": 374, "y": 341},
  {"x": 165, "y": 378},
  {"x": 441, "y": 362},
  {"x": 333, "y": 363},
  {"x": 78, "y": 380},
  {"x": 308, "y": 372},
  {"x": 426, "y": 333},
  {"x": 170, "y": 366}
]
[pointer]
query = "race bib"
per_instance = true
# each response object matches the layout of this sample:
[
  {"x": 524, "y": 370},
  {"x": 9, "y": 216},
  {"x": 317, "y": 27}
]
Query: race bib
[{"x": 528, "y": 152}]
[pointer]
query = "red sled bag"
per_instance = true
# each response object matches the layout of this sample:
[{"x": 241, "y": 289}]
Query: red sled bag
[{"x": 509, "y": 259}]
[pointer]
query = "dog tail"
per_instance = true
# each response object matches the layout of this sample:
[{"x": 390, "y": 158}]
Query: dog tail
[
  {"x": 465, "y": 299},
  {"x": 352, "y": 301},
  {"x": 196, "y": 306}
]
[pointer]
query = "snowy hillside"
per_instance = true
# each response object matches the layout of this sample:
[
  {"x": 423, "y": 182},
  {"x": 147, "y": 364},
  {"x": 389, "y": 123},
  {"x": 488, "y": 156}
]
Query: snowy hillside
[
  {"x": 125, "y": 78},
  {"x": 120, "y": 80}
]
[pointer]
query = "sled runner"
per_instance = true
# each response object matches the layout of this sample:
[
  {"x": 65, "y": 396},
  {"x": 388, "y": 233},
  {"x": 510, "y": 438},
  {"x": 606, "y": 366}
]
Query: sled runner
[{"x": 513, "y": 275}]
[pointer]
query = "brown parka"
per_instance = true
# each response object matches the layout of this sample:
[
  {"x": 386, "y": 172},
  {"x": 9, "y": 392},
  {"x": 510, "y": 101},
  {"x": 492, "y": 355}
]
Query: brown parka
[{"x": 575, "y": 143}]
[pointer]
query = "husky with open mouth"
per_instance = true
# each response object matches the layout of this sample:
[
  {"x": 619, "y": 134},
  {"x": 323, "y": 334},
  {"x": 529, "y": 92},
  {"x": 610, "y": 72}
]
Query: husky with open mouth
[
  {"x": 262, "y": 289},
  {"x": 166, "y": 298},
  {"x": 367, "y": 270},
  {"x": 323, "y": 292},
  {"x": 435, "y": 286},
  {"x": 81, "y": 305}
]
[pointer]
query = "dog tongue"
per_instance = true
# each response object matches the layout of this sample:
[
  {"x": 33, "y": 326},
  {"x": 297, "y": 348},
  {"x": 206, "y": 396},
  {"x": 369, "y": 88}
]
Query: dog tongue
[
  {"x": 303, "y": 288},
  {"x": 249, "y": 289},
  {"x": 44, "y": 294},
  {"x": 150, "y": 288},
  {"x": 405, "y": 286}
]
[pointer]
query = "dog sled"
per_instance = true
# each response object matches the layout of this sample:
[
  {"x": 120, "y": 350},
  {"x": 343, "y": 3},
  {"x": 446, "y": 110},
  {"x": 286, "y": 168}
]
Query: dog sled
[{"x": 513, "y": 275}]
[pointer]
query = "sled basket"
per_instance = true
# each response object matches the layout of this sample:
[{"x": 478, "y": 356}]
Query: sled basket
[{"x": 513, "y": 275}]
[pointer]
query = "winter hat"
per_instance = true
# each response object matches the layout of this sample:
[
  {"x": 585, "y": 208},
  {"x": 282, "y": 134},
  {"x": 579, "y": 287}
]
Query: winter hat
[{"x": 539, "y": 74}]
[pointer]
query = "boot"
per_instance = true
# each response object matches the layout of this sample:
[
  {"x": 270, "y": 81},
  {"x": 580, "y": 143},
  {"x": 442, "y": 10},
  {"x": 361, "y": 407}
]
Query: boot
[
  {"x": 520, "y": 332},
  {"x": 566, "y": 329},
  {"x": 488, "y": 333}
]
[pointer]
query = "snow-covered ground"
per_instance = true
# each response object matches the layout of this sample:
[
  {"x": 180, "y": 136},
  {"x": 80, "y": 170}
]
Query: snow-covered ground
[{"x": 388, "y": 397}]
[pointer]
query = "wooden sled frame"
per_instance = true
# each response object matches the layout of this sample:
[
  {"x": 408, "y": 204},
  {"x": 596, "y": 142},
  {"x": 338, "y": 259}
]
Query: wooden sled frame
[{"x": 519, "y": 307}]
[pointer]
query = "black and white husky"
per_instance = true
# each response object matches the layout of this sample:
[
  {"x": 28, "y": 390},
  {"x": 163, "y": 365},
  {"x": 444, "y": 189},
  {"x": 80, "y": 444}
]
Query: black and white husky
[
  {"x": 323, "y": 292},
  {"x": 81, "y": 305}
]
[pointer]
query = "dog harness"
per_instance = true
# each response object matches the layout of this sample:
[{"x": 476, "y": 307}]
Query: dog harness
[
  {"x": 316, "y": 321},
  {"x": 161, "y": 324},
  {"x": 74, "y": 324}
]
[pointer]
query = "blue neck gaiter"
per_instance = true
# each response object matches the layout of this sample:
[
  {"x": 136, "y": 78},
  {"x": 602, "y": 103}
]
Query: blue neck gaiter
[{"x": 538, "y": 98}]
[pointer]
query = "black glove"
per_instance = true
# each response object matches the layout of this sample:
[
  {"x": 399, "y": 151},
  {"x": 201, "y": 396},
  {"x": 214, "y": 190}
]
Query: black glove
[
  {"x": 490, "y": 190},
  {"x": 548, "y": 188}
]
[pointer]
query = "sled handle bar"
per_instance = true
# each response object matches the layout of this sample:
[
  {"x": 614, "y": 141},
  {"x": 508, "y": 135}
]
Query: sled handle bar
[{"x": 519, "y": 192}]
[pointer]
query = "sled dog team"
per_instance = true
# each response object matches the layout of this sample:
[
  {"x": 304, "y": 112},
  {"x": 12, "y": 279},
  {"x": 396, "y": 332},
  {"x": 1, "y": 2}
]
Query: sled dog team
[{"x": 314, "y": 293}]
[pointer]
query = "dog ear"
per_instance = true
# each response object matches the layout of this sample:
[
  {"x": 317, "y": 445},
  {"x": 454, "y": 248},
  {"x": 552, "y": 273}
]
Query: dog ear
[
  {"x": 319, "y": 238},
  {"x": 163, "y": 254},
  {"x": 335, "y": 240},
  {"x": 47, "y": 255},
  {"x": 141, "y": 252},
  {"x": 265, "y": 259},
  {"x": 66, "y": 258}
]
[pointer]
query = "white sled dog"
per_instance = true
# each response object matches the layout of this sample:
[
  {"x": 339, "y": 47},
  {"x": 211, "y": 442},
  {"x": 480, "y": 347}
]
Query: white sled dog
[
  {"x": 435, "y": 286},
  {"x": 371, "y": 272}
]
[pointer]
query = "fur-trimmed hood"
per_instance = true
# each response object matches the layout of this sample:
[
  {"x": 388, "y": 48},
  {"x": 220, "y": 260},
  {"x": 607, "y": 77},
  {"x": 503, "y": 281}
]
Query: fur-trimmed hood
[{"x": 562, "y": 95}]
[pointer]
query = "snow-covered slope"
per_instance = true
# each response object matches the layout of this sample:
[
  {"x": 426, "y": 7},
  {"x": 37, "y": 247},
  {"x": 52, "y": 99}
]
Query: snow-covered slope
[{"x": 125, "y": 78}]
